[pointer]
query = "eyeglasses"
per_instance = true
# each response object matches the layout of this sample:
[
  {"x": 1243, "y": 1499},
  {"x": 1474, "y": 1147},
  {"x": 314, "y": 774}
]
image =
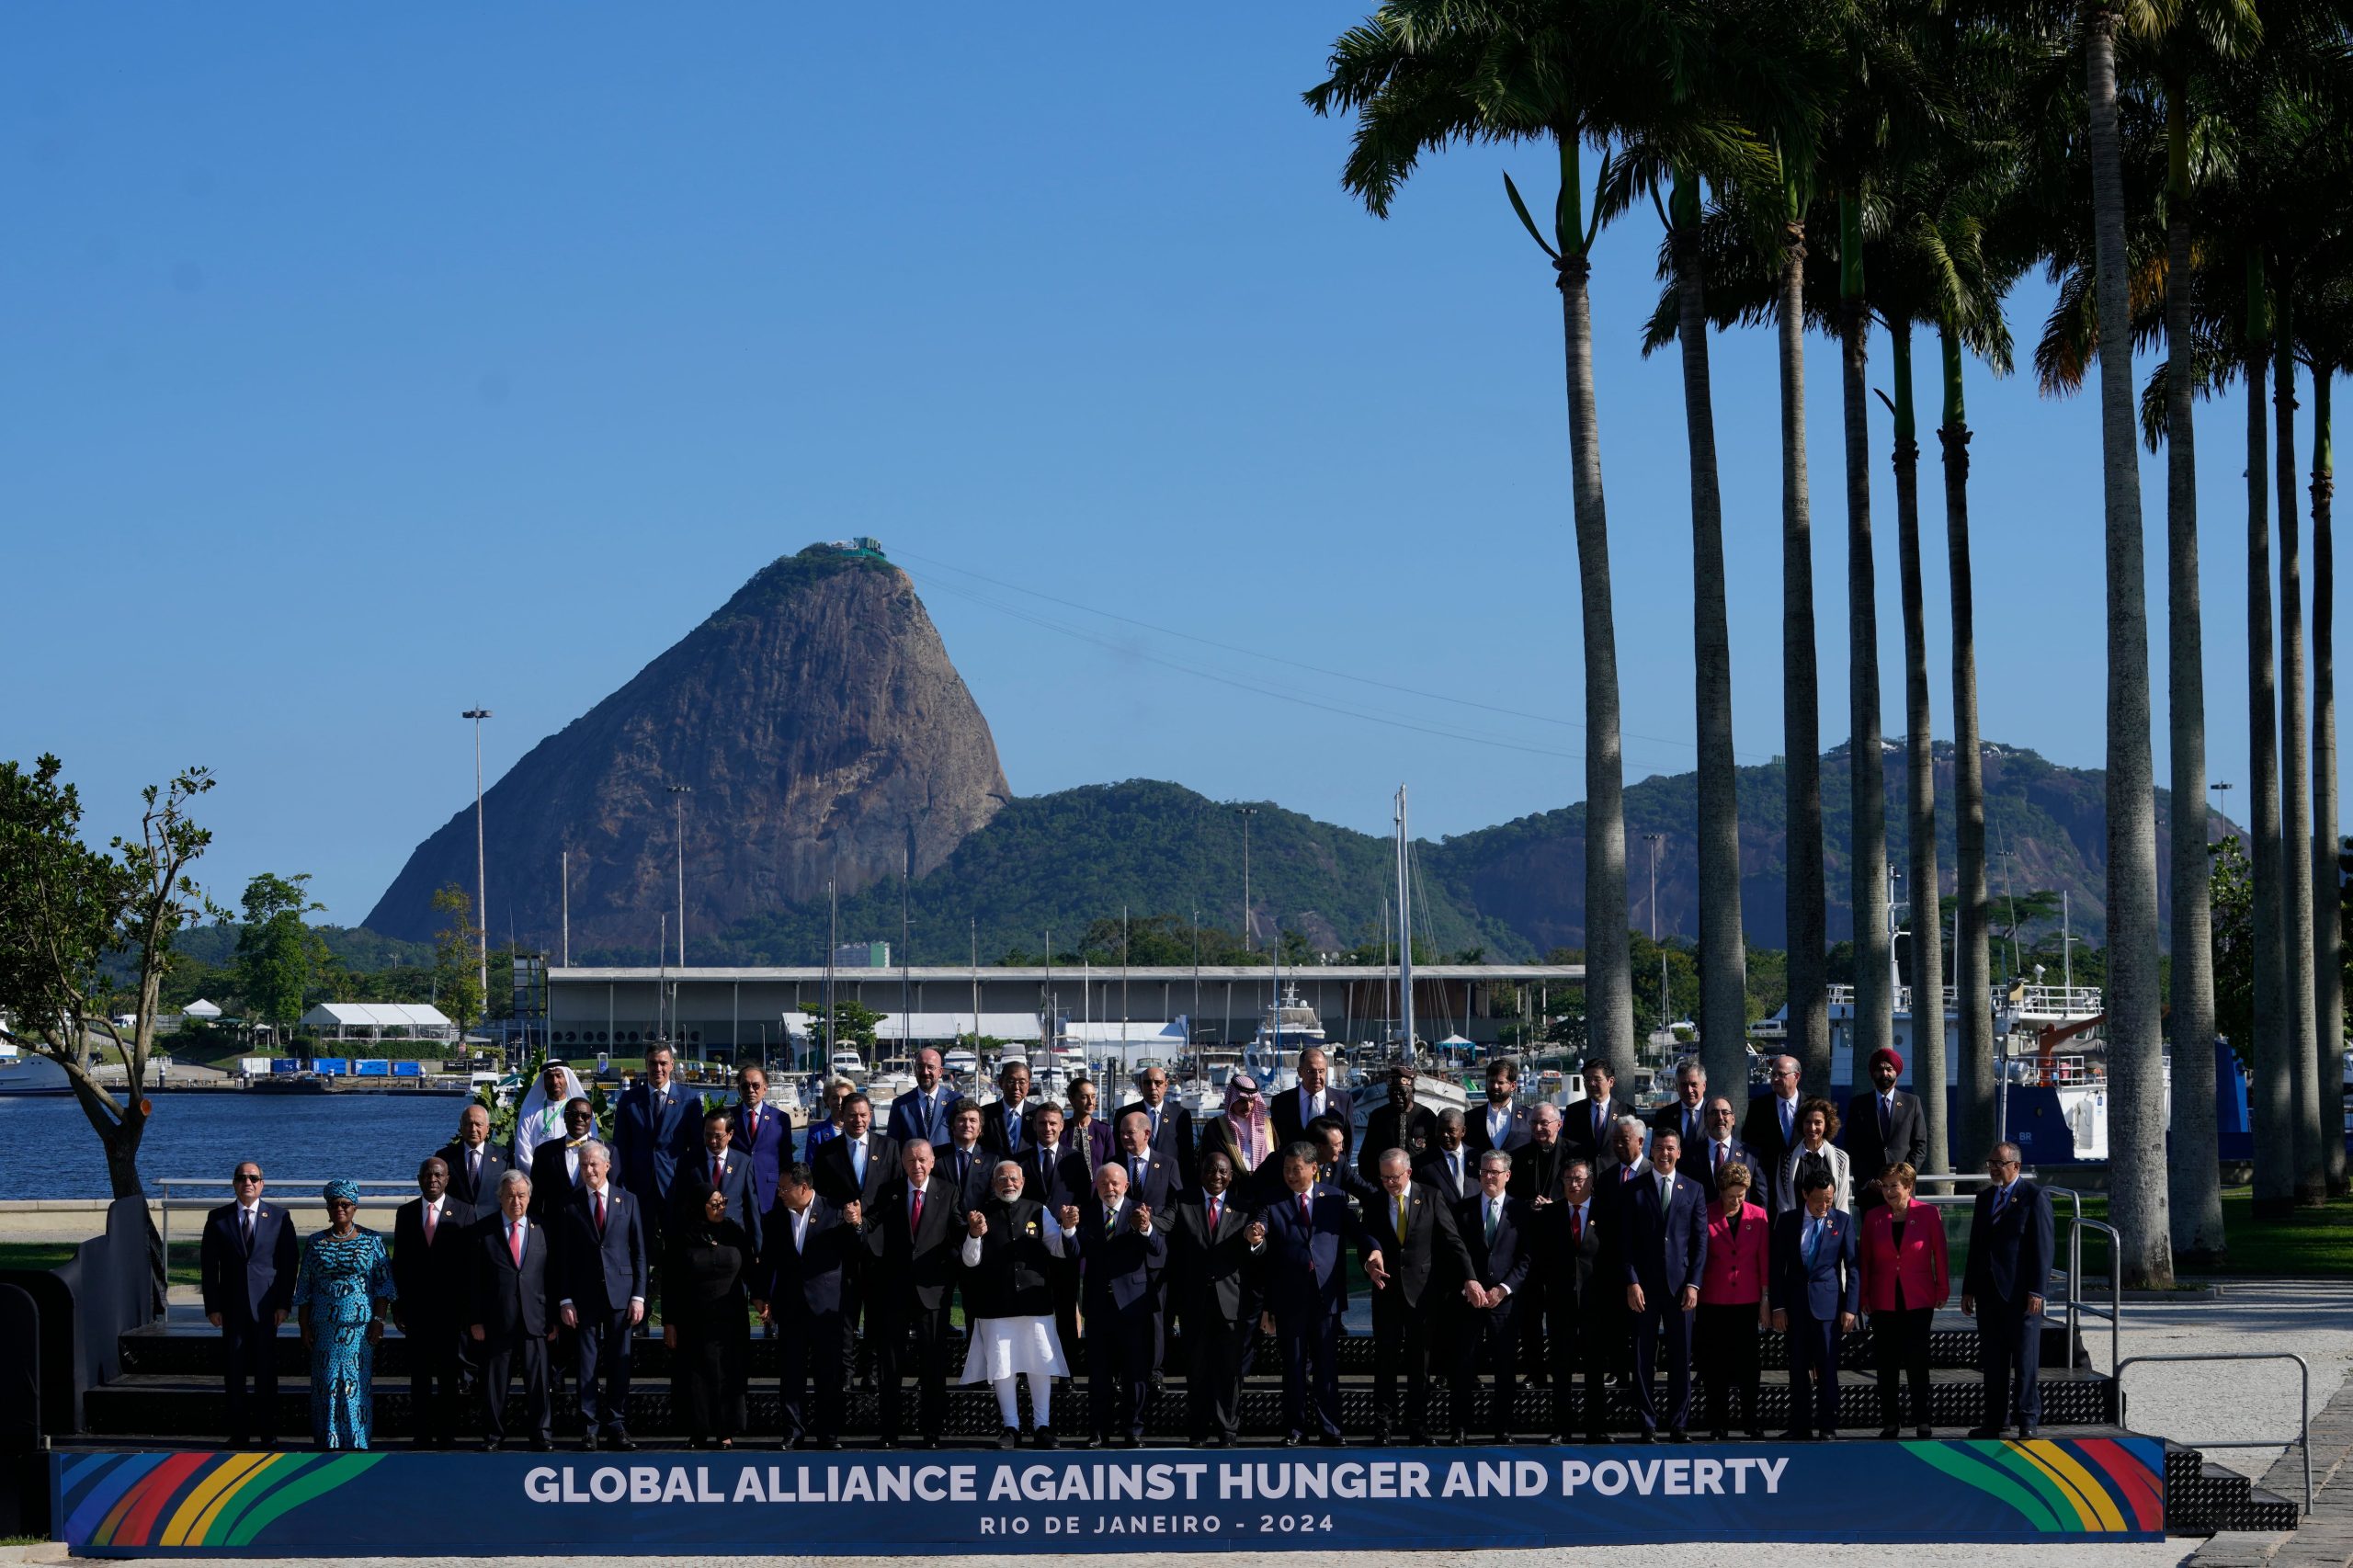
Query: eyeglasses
[
  {"x": 246, "y": 1175},
  {"x": 336, "y": 1203}
]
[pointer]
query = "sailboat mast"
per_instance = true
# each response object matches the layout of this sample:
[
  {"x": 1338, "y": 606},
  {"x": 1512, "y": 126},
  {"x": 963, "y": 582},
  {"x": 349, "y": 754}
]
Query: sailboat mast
[{"x": 1404, "y": 931}]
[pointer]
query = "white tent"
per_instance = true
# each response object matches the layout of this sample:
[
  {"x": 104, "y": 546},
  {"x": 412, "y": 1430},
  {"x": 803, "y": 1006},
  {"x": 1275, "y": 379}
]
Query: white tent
[
  {"x": 200, "y": 1008},
  {"x": 368, "y": 1020}
]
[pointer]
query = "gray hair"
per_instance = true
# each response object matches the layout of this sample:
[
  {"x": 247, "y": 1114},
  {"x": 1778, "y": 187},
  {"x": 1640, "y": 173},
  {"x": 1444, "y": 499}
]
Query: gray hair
[
  {"x": 1642, "y": 1129},
  {"x": 514, "y": 1179},
  {"x": 595, "y": 1150},
  {"x": 1493, "y": 1158},
  {"x": 1694, "y": 1067},
  {"x": 1451, "y": 1117},
  {"x": 1395, "y": 1157}
]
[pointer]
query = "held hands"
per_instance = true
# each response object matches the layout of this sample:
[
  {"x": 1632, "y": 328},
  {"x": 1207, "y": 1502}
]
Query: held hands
[
  {"x": 1140, "y": 1217},
  {"x": 1257, "y": 1234},
  {"x": 1068, "y": 1218},
  {"x": 853, "y": 1214},
  {"x": 1476, "y": 1294},
  {"x": 976, "y": 1223}
]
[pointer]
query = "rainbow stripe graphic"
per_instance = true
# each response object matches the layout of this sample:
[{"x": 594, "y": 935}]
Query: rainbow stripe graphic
[
  {"x": 2095, "y": 1486},
  {"x": 197, "y": 1500}
]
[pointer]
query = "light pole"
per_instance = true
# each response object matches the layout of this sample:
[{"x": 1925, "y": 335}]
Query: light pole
[
  {"x": 678, "y": 793},
  {"x": 1654, "y": 840},
  {"x": 481, "y": 895},
  {"x": 1245, "y": 814}
]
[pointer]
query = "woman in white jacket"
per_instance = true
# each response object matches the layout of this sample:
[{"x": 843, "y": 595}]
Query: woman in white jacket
[{"x": 1817, "y": 1124}]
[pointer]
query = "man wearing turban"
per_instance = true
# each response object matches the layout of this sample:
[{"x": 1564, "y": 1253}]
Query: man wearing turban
[{"x": 1885, "y": 1126}]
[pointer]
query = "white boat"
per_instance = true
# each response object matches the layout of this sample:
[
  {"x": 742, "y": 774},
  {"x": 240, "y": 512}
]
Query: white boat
[
  {"x": 960, "y": 1064},
  {"x": 23, "y": 1074},
  {"x": 847, "y": 1063}
]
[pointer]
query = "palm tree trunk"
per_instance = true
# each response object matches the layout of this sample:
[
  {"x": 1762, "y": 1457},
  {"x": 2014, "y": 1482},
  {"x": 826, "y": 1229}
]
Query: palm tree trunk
[
  {"x": 2296, "y": 999},
  {"x": 1973, "y": 969},
  {"x": 1608, "y": 980},
  {"x": 1808, "y": 1033},
  {"x": 2329, "y": 953},
  {"x": 1874, "y": 1023},
  {"x": 1724, "y": 964},
  {"x": 1929, "y": 1041},
  {"x": 2194, "y": 1172},
  {"x": 2136, "y": 1050},
  {"x": 2270, "y": 1089}
]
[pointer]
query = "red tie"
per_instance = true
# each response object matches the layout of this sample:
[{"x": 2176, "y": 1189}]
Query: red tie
[
  {"x": 718, "y": 1172},
  {"x": 1306, "y": 1210},
  {"x": 600, "y": 1213},
  {"x": 1217, "y": 1207},
  {"x": 515, "y": 1244},
  {"x": 1576, "y": 1229},
  {"x": 917, "y": 1223},
  {"x": 429, "y": 1218}
]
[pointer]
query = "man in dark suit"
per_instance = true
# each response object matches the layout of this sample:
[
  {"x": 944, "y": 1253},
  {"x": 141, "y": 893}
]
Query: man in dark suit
[
  {"x": 600, "y": 1254},
  {"x": 655, "y": 1126},
  {"x": 1152, "y": 1180},
  {"x": 1005, "y": 1128},
  {"x": 1537, "y": 1165},
  {"x": 1884, "y": 1127},
  {"x": 1303, "y": 1239},
  {"x": 555, "y": 1164},
  {"x": 1397, "y": 1123},
  {"x": 1423, "y": 1260},
  {"x": 1121, "y": 1251},
  {"x": 1816, "y": 1289},
  {"x": 960, "y": 1161},
  {"x": 1449, "y": 1168},
  {"x": 1171, "y": 1124},
  {"x": 1686, "y": 1114},
  {"x": 1504, "y": 1121},
  {"x": 1588, "y": 1125},
  {"x": 2008, "y": 1273},
  {"x": 474, "y": 1166},
  {"x": 923, "y": 1111},
  {"x": 914, "y": 1232},
  {"x": 1294, "y": 1108},
  {"x": 514, "y": 1315},
  {"x": 1704, "y": 1162},
  {"x": 1057, "y": 1172},
  {"x": 1330, "y": 1142},
  {"x": 1499, "y": 1233},
  {"x": 1662, "y": 1226},
  {"x": 725, "y": 1172},
  {"x": 1582, "y": 1304},
  {"x": 1770, "y": 1127},
  {"x": 1217, "y": 1290},
  {"x": 248, "y": 1261},
  {"x": 806, "y": 1285},
  {"x": 432, "y": 1276},
  {"x": 761, "y": 1133},
  {"x": 854, "y": 1167}
]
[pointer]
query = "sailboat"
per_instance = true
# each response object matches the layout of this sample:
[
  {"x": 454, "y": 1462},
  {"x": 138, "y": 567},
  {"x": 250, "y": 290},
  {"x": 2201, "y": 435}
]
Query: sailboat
[{"x": 1434, "y": 1091}]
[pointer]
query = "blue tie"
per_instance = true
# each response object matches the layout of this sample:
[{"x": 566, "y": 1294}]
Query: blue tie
[{"x": 857, "y": 1161}]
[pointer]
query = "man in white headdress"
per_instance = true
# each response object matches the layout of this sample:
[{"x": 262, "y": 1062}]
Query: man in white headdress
[
  {"x": 542, "y": 1116},
  {"x": 1009, "y": 1302}
]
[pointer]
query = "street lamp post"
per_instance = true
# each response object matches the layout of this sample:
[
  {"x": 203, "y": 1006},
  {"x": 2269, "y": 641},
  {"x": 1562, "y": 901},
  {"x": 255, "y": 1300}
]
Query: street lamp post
[
  {"x": 1245, "y": 814},
  {"x": 482, "y": 894},
  {"x": 678, "y": 793},
  {"x": 1654, "y": 840}
]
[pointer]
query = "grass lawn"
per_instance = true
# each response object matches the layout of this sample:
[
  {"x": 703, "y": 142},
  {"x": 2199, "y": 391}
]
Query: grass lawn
[
  {"x": 49, "y": 1254},
  {"x": 2311, "y": 1243}
]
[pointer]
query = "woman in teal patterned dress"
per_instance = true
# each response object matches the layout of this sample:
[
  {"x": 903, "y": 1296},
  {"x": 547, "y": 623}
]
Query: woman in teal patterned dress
[{"x": 345, "y": 1278}]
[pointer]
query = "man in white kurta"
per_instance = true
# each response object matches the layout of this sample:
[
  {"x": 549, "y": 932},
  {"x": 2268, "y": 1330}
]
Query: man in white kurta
[{"x": 1009, "y": 1302}]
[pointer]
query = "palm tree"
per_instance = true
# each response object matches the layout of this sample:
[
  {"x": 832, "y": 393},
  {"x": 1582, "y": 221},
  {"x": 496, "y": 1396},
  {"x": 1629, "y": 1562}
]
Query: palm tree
[
  {"x": 2296, "y": 999},
  {"x": 2326, "y": 331},
  {"x": 1424, "y": 75}
]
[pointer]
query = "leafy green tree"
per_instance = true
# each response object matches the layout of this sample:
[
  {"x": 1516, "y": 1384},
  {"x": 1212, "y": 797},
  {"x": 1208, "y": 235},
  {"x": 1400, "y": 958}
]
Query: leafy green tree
[
  {"x": 67, "y": 910},
  {"x": 279, "y": 958},
  {"x": 854, "y": 1024},
  {"x": 457, "y": 978}
]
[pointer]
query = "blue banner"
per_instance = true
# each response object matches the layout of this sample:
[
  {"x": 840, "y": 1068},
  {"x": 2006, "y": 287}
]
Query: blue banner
[{"x": 320, "y": 1504}]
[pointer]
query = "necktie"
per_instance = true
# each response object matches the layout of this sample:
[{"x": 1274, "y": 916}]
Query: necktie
[
  {"x": 432, "y": 1218},
  {"x": 473, "y": 1169},
  {"x": 1306, "y": 1210},
  {"x": 1600, "y": 1120},
  {"x": 857, "y": 1159},
  {"x": 246, "y": 1223},
  {"x": 1625, "y": 1173},
  {"x": 1454, "y": 1162},
  {"x": 1135, "y": 1173},
  {"x": 718, "y": 1171},
  {"x": 1155, "y": 1123},
  {"x": 1789, "y": 1112},
  {"x": 1401, "y": 1220},
  {"x": 514, "y": 1242},
  {"x": 916, "y": 1224},
  {"x": 1813, "y": 1241},
  {"x": 600, "y": 1213},
  {"x": 1494, "y": 1218},
  {"x": 1577, "y": 1227},
  {"x": 1884, "y": 1114},
  {"x": 2001, "y": 1196},
  {"x": 1217, "y": 1207},
  {"x": 1716, "y": 1158},
  {"x": 1111, "y": 1221},
  {"x": 1690, "y": 1127}
]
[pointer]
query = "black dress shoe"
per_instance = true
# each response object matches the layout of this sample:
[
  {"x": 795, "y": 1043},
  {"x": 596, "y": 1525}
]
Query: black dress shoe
[
  {"x": 2027, "y": 1434},
  {"x": 1888, "y": 1434},
  {"x": 1457, "y": 1438},
  {"x": 1008, "y": 1437},
  {"x": 1553, "y": 1439},
  {"x": 1647, "y": 1434},
  {"x": 1827, "y": 1435},
  {"x": 1756, "y": 1434},
  {"x": 1131, "y": 1440},
  {"x": 1381, "y": 1435},
  {"x": 543, "y": 1445},
  {"x": 1043, "y": 1437},
  {"x": 588, "y": 1442},
  {"x": 1797, "y": 1435},
  {"x": 492, "y": 1445},
  {"x": 1720, "y": 1435},
  {"x": 1294, "y": 1439},
  {"x": 1597, "y": 1437},
  {"x": 1983, "y": 1434},
  {"x": 1924, "y": 1433},
  {"x": 1418, "y": 1437},
  {"x": 620, "y": 1443},
  {"x": 1678, "y": 1436},
  {"x": 831, "y": 1445}
]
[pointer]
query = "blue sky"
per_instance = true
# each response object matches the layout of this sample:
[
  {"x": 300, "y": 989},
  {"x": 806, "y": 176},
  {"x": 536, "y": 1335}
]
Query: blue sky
[{"x": 365, "y": 365}]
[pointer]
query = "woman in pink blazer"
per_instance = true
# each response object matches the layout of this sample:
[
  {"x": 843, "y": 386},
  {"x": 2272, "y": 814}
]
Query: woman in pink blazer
[
  {"x": 1732, "y": 1302},
  {"x": 1905, "y": 1282}
]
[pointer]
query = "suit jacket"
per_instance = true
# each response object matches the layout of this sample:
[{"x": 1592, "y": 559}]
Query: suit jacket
[
  {"x": 1057, "y": 1180},
  {"x": 1096, "y": 1142},
  {"x": 1517, "y": 1136},
  {"x": 1920, "y": 1263},
  {"x": 1571, "y": 1252},
  {"x": 1159, "y": 1187},
  {"x": 767, "y": 1148},
  {"x": 735, "y": 1182},
  {"x": 2009, "y": 1255},
  {"x": 908, "y": 1123},
  {"x": 1663, "y": 1249},
  {"x": 1118, "y": 1271},
  {"x": 1906, "y": 1138},
  {"x": 1691, "y": 1128},
  {"x": 914, "y": 1267},
  {"x": 1173, "y": 1141},
  {"x": 1416, "y": 1131},
  {"x": 1740, "y": 1262},
  {"x": 1700, "y": 1162},
  {"x": 1504, "y": 1258},
  {"x": 1828, "y": 1284},
  {"x": 973, "y": 1189},
  {"x": 1304, "y": 1265},
  {"x": 552, "y": 1182},
  {"x": 479, "y": 1196},
  {"x": 1433, "y": 1172},
  {"x": 1761, "y": 1131},
  {"x": 994, "y": 1135},
  {"x": 244, "y": 1286},
  {"x": 1257, "y": 1184},
  {"x": 1215, "y": 1275},
  {"x": 651, "y": 1133},
  {"x": 816, "y": 1276},
  {"x": 510, "y": 1300},
  {"x": 836, "y": 1179},
  {"x": 1431, "y": 1259},
  {"x": 1290, "y": 1125},
  {"x": 1576, "y": 1129},
  {"x": 433, "y": 1283},
  {"x": 602, "y": 1273},
  {"x": 1535, "y": 1172}
]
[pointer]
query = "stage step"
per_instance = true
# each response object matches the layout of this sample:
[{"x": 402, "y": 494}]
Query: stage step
[
  {"x": 2202, "y": 1498},
  {"x": 180, "y": 1407}
]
